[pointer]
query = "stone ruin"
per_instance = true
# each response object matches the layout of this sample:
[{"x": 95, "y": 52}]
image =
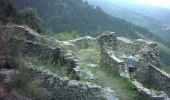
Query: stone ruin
[
  {"x": 114, "y": 53},
  {"x": 34, "y": 44}
]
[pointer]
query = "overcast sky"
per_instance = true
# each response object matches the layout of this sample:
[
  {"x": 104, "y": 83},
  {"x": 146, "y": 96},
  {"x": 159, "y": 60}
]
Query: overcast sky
[{"x": 160, "y": 3}]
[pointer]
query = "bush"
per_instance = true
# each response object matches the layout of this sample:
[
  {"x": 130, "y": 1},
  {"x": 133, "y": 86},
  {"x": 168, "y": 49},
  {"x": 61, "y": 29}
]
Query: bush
[
  {"x": 66, "y": 36},
  {"x": 28, "y": 16},
  {"x": 7, "y": 11}
]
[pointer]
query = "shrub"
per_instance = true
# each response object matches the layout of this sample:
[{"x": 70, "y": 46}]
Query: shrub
[{"x": 66, "y": 36}]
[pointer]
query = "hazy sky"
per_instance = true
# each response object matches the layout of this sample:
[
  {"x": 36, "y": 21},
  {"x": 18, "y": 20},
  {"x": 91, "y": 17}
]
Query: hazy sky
[{"x": 160, "y": 3}]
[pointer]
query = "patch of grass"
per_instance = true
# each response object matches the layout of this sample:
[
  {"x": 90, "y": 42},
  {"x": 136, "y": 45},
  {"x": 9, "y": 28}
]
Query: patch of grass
[
  {"x": 88, "y": 55},
  {"x": 164, "y": 67},
  {"x": 64, "y": 36},
  {"x": 164, "y": 48},
  {"x": 59, "y": 70},
  {"x": 105, "y": 77}
]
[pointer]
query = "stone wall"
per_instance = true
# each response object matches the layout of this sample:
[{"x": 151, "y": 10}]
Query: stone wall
[
  {"x": 129, "y": 47},
  {"x": 143, "y": 61},
  {"x": 33, "y": 44},
  {"x": 159, "y": 79},
  {"x": 150, "y": 94},
  {"x": 61, "y": 88},
  {"x": 80, "y": 43},
  {"x": 114, "y": 53},
  {"x": 115, "y": 50},
  {"x": 108, "y": 46}
]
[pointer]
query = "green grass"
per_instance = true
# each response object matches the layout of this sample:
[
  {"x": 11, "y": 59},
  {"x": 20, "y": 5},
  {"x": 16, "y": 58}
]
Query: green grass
[
  {"x": 164, "y": 67},
  {"x": 64, "y": 36},
  {"x": 164, "y": 48},
  {"x": 88, "y": 55},
  {"x": 59, "y": 70},
  {"x": 105, "y": 77}
]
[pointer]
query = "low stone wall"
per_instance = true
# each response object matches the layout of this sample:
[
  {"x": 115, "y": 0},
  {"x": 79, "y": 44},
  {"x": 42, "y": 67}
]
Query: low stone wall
[
  {"x": 159, "y": 79},
  {"x": 61, "y": 88},
  {"x": 129, "y": 47},
  {"x": 109, "y": 60},
  {"x": 149, "y": 94},
  {"x": 80, "y": 43}
]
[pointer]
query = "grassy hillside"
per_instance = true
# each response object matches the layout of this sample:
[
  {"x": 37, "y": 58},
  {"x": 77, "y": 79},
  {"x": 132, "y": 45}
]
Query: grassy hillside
[
  {"x": 153, "y": 25},
  {"x": 165, "y": 57}
]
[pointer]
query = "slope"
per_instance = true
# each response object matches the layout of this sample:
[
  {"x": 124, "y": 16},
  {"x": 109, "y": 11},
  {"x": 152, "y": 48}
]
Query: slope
[
  {"x": 71, "y": 15},
  {"x": 154, "y": 25}
]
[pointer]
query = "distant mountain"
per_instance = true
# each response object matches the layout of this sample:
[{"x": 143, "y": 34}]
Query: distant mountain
[
  {"x": 76, "y": 15},
  {"x": 79, "y": 15},
  {"x": 141, "y": 16}
]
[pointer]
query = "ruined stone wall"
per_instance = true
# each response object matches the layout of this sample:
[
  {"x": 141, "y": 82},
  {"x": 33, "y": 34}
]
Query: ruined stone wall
[
  {"x": 61, "y": 88},
  {"x": 115, "y": 50},
  {"x": 129, "y": 47},
  {"x": 80, "y": 43},
  {"x": 159, "y": 79},
  {"x": 143, "y": 61},
  {"x": 111, "y": 62},
  {"x": 108, "y": 46},
  {"x": 34, "y": 44}
]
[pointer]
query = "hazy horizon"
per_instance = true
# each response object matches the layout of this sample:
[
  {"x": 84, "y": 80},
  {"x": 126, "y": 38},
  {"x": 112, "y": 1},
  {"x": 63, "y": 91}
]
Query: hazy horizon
[{"x": 156, "y": 3}]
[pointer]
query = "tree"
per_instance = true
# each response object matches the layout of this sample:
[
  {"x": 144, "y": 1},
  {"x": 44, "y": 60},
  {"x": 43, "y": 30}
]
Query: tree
[
  {"x": 29, "y": 17},
  {"x": 7, "y": 11}
]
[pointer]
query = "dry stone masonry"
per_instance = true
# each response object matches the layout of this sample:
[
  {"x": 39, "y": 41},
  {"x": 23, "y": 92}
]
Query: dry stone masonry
[
  {"x": 114, "y": 53},
  {"x": 60, "y": 88},
  {"x": 80, "y": 43}
]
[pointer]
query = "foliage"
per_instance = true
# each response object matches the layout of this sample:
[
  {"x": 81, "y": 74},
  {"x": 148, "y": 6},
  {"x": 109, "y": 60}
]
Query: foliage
[
  {"x": 105, "y": 77},
  {"x": 29, "y": 17},
  {"x": 164, "y": 53},
  {"x": 70, "y": 15},
  {"x": 66, "y": 35},
  {"x": 88, "y": 55},
  {"x": 58, "y": 69},
  {"x": 164, "y": 67},
  {"x": 7, "y": 11}
]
